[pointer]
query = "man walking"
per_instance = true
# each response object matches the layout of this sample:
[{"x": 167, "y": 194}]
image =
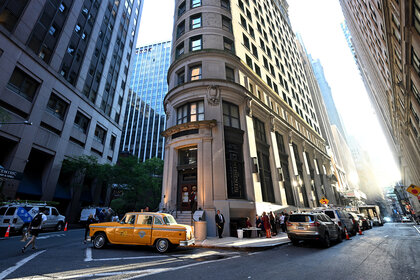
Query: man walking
[
  {"x": 220, "y": 222},
  {"x": 35, "y": 228}
]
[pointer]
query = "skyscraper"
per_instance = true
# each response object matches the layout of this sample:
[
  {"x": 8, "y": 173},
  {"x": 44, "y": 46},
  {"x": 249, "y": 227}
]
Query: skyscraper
[
  {"x": 145, "y": 117},
  {"x": 386, "y": 39},
  {"x": 64, "y": 68},
  {"x": 242, "y": 135}
]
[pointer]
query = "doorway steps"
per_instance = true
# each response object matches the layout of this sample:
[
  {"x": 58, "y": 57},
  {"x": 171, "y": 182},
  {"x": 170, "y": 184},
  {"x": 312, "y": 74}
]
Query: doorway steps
[{"x": 183, "y": 217}]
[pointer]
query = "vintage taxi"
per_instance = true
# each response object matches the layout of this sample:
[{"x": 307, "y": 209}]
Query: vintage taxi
[{"x": 143, "y": 228}]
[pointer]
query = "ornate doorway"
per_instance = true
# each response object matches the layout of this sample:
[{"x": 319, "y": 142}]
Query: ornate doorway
[{"x": 187, "y": 179}]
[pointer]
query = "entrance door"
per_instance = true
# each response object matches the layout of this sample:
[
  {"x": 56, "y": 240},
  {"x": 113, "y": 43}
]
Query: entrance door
[{"x": 188, "y": 194}]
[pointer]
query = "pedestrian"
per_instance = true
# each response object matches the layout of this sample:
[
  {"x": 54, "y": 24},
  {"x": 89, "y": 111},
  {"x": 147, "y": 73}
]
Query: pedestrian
[
  {"x": 273, "y": 223},
  {"x": 35, "y": 228},
  {"x": 259, "y": 224},
  {"x": 108, "y": 215},
  {"x": 248, "y": 225},
  {"x": 101, "y": 216},
  {"x": 220, "y": 223},
  {"x": 282, "y": 223},
  {"x": 90, "y": 220},
  {"x": 266, "y": 222}
]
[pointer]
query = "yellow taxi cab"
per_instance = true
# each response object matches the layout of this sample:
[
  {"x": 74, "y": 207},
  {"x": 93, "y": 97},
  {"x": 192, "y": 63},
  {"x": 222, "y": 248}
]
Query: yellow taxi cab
[{"x": 143, "y": 228}]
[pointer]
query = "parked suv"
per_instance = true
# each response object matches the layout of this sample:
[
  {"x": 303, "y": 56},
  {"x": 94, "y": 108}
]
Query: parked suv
[
  {"x": 19, "y": 216},
  {"x": 312, "y": 226},
  {"x": 341, "y": 218}
]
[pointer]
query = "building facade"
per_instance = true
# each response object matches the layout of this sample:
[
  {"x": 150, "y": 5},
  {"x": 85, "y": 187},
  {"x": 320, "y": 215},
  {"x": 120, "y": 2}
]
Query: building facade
[
  {"x": 64, "y": 69},
  {"x": 145, "y": 116},
  {"x": 386, "y": 39},
  {"x": 242, "y": 135}
]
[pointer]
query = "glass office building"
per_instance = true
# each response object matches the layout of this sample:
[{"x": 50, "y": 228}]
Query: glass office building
[{"x": 145, "y": 115}]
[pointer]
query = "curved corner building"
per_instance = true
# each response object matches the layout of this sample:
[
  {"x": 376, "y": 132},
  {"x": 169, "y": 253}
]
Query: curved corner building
[{"x": 241, "y": 127}]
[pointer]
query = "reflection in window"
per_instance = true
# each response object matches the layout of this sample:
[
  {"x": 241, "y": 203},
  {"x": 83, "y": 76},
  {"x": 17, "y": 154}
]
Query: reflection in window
[
  {"x": 187, "y": 156},
  {"x": 195, "y": 3},
  {"x": 100, "y": 134},
  {"x": 10, "y": 12},
  {"x": 195, "y": 21},
  {"x": 81, "y": 122},
  {"x": 179, "y": 50},
  {"x": 23, "y": 84},
  {"x": 144, "y": 220},
  {"x": 231, "y": 115},
  {"x": 181, "y": 9},
  {"x": 190, "y": 112},
  {"x": 196, "y": 43},
  {"x": 195, "y": 72},
  {"x": 57, "y": 106}
]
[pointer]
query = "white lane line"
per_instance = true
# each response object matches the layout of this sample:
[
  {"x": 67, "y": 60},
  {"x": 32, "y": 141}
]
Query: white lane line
[
  {"x": 19, "y": 264},
  {"x": 417, "y": 229},
  {"x": 88, "y": 255}
]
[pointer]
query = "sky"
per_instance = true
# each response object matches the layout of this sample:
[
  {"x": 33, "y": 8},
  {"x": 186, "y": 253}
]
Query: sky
[{"x": 318, "y": 22}]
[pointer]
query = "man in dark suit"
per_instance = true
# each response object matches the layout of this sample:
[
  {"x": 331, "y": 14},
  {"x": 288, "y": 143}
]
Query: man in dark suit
[{"x": 220, "y": 222}]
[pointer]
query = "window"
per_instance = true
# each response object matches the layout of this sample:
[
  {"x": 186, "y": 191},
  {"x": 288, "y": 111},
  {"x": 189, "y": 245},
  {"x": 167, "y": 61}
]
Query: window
[
  {"x": 195, "y": 3},
  {"x": 225, "y": 4},
  {"x": 179, "y": 50},
  {"x": 254, "y": 51},
  {"x": 158, "y": 221},
  {"x": 228, "y": 45},
  {"x": 112, "y": 142},
  {"x": 196, "y": 43},
  {"x": 257, "y": 70},
  {"x": 180, "y": 77},
  {"x": 180, "y": 29},
  {"x": 195, "y": 73},
  {"x": 249, "y": 61},
  {"x": 144, "y": 220},
  {"x": 415, "y": 61},
  {"x": 23, "y": 84},
  {"x": 57, "y": 106},
  {"x": 231, "y": 115},
  {"x": 243, "y": 22},
  {"x": 251, "y": 31},
  {"x": 81, "y": 122},
  {"x": 226, "y": 23},
  {"x": 190, "y": 112},
  {"x": 100, "y": 134},
  {"x": 230, "y": 74},
  {"x": 259, "y": 130},
  {"x": 195, "y": 21},
  {"x": 181, "y": 9},
  {"x": 11, "y": 12},
  {"x": 246, "y": 41}
]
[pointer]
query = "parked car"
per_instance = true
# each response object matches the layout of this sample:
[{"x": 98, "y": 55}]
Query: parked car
[
  {"x": 341, "y": 218},
  {"x": 355, "y": 219},
  {"x": 405, "y": 219},
  {"x": 364, "y": 222},
  {"x": 143, "y": 228},
  {"x": 19, "y": 216},
  {"x": 312, "y": 226}
]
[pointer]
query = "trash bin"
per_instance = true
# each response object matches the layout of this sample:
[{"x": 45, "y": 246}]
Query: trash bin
[
  {"x": 240, "y": 233},
  {"x": 200, "y": 230}
]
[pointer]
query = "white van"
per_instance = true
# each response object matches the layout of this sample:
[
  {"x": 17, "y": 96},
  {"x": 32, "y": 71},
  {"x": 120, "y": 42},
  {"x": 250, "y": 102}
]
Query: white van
[{"x": 19, "y": 216}]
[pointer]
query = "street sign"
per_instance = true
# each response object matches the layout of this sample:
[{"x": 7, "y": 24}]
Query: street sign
[
  {"x": 10, "y": 174},
  {"x": 324, "y": 200},
  {"x": 414, "y": 190}
]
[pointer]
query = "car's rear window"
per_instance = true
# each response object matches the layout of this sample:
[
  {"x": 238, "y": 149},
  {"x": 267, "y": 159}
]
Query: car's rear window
[
  {"x": 10, "y": 211},
  {"x": 3, "y": 210},
  {"x": 302, "y": 218},
  {"x": 330, "y": 214}
]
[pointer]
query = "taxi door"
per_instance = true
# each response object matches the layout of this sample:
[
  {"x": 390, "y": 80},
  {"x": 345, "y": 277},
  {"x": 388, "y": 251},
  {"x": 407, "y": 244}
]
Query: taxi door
[
  {"x": 143, "y": 230},
  {"x": 125, "y": 230}
]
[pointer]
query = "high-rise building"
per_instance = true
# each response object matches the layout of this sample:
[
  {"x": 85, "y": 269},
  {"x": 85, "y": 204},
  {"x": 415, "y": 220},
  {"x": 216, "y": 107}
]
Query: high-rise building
[
  {"x": 242, "y": 136},
  {"x": 145, "y": 116},
  {"x": 64, "y": 69},
  {"x": 386, "y": 39}
]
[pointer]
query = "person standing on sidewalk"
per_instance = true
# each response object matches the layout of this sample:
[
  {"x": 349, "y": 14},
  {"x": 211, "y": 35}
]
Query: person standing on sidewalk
[
  {"x": 266, "y": 222},
  {"x": 273, "y": 223},
  {"x": 220, "y": 222},
  {"x": 35, "y": 228},
  {"x": 259, "y": 224},
  {"x": 282, "y": 223}
]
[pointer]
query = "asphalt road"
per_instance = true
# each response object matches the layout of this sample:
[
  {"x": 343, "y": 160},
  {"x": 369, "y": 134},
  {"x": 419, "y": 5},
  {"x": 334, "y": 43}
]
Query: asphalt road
[{"x": 388, "y": 252}]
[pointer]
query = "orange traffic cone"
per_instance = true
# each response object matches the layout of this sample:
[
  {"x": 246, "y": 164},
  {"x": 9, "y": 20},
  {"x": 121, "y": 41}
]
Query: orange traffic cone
[
  {"x": 7, "y": 231},
  {"x": 65, "y": 227},
  {"x": 360, "y": 231},
  {"x": 347, "y": 234}
]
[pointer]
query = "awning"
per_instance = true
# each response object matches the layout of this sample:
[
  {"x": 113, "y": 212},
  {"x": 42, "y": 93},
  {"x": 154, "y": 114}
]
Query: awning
[
  {"x": 62, "y": 192},
  {"x": 30, "y": 185}
]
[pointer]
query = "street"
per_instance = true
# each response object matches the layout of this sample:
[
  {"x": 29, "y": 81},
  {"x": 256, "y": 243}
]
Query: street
[{"x": 388, "y": 252}]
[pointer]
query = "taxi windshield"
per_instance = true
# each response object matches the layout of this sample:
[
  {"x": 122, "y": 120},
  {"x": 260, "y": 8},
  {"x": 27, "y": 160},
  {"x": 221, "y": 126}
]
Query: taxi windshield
[{"x": 169, "y": 220}]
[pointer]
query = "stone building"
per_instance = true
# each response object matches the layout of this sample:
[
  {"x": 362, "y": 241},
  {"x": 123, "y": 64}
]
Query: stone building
[
  {"x": 65, "y": 68},
  {"x": 242, "y": 135}
]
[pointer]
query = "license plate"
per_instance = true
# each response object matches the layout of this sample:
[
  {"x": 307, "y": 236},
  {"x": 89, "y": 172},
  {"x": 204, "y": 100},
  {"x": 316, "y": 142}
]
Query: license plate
[{"x": 302, "y": 228}]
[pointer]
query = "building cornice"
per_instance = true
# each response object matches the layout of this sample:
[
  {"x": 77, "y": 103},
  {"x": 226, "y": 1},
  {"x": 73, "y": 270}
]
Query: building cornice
[{"x": 187, "y": 126}]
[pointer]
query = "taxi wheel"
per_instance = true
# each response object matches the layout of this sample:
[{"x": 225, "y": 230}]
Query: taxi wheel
[
  {"x": 99, "y": 241},
  {"x": 162, "y": 245}
]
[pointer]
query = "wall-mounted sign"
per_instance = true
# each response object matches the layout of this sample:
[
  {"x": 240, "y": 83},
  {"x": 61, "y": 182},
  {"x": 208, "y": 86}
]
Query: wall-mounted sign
[{"x": 10, "y": 174}]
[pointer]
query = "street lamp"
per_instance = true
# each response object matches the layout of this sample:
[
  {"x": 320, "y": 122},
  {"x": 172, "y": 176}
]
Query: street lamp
[{"x": 24, "y": 122}]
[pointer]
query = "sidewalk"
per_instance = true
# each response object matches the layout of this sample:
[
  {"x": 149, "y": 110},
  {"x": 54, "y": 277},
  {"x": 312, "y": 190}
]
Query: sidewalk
[{"x": 243, "y": 243}]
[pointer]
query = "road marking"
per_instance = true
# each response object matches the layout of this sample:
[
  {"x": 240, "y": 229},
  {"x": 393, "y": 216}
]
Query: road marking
[
  {"x": 417, "y": 229},
  {"x": 88, "y": 255},
  {"x": 52, "y": 235},
  {"x": 19, "y": 264},
  {"x": 89, "y": 258}
]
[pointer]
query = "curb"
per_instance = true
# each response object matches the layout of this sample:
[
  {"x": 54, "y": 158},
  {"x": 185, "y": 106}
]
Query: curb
[{"x": 262, "y": 247}]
